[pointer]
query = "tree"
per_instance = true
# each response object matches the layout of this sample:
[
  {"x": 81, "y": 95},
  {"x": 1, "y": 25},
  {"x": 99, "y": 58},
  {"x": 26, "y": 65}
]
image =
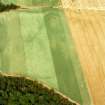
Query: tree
[{"x": 7, "y": 7}]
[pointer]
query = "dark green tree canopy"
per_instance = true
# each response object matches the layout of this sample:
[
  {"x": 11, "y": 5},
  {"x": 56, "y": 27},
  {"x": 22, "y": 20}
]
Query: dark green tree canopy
[
  {"x": 22, "y": 91},
  {"x": 7, "y": 7}
]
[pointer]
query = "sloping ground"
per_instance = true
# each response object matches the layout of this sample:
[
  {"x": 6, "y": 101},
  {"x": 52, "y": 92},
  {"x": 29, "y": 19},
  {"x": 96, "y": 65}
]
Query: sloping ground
[
  {"x": 87, "y": 29},
  {"x": 37, "y": 43}
]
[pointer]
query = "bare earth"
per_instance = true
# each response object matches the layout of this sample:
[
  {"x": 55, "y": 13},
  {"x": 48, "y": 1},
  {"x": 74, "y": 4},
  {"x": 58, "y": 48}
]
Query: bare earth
[{"x": 88, "y": 31}]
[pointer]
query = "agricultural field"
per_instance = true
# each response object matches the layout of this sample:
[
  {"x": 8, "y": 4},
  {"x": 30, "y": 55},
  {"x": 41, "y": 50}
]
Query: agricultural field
[{"x": 48, "y": 41}]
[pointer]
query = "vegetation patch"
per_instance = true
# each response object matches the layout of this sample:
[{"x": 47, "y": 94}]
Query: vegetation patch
[
  {"x": 8, "y": 7},
  {"x": 22, "y": 91}
]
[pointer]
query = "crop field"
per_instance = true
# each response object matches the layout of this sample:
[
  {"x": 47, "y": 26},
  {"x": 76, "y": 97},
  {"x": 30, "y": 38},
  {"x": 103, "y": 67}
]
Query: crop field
[{"x": 48, "y": 42}]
